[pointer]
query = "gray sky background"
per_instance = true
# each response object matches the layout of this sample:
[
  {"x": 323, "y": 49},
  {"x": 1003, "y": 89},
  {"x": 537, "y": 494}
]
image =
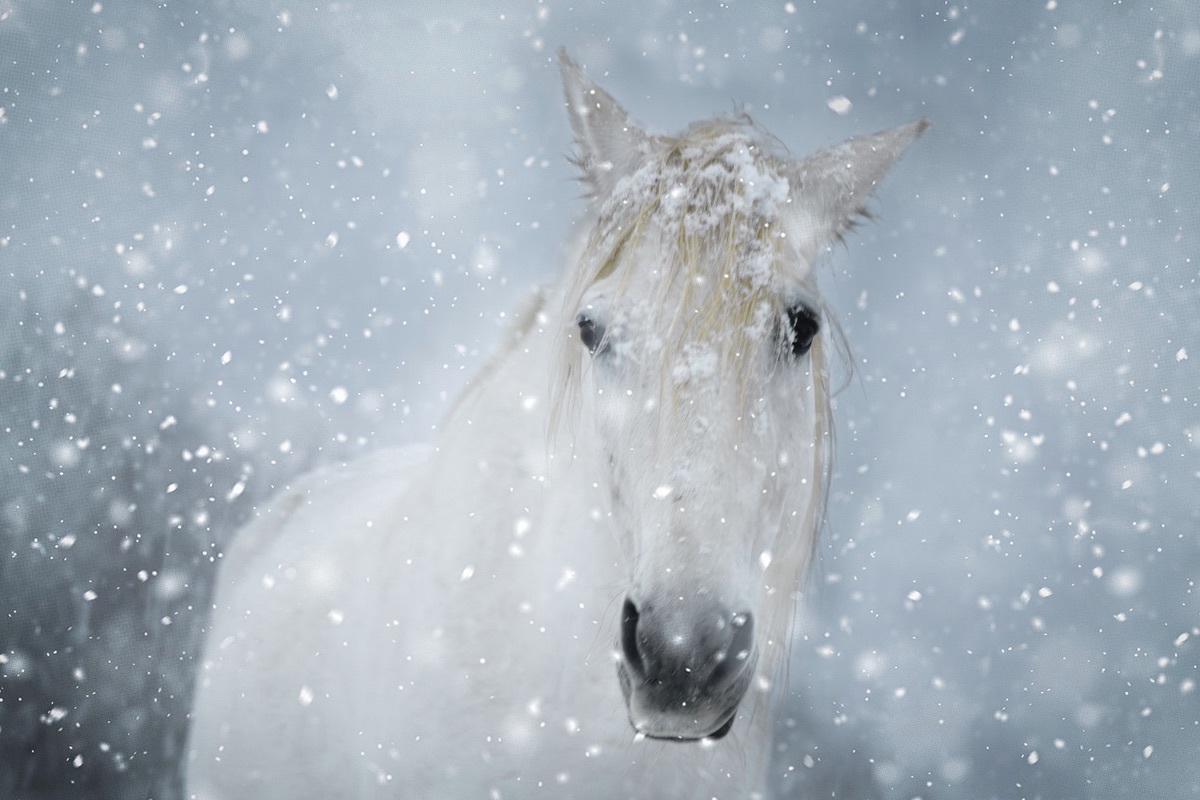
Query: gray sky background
[{"x": 313, "y": 218}]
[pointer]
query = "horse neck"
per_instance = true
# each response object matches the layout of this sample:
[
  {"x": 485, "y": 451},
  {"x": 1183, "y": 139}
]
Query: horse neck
[
  {"x": 521, "y": 331},
  {"x": 495, "y": 445}
]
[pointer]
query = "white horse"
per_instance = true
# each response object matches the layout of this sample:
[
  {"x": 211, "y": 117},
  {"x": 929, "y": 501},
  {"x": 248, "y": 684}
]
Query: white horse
[{"x": 584, "y": 590}]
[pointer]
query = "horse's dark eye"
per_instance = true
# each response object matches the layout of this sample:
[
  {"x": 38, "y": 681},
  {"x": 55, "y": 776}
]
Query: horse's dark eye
[
  {"x": 590, "y": 333},
  {"x": 803, "y": 325}
]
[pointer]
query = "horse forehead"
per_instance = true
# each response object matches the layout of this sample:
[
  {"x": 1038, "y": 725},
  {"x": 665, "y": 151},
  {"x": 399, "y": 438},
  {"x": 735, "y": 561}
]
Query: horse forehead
[
  {"x": 718, "y": 198},
  {"x": 731, "y": 171},
  {"x": 733, "y": 144}
]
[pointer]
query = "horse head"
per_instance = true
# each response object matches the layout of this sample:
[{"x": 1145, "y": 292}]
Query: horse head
[{"x": 695, "y": 347}]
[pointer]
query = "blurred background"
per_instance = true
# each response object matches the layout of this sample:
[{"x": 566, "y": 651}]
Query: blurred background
[{"x": 239, "y": 239}]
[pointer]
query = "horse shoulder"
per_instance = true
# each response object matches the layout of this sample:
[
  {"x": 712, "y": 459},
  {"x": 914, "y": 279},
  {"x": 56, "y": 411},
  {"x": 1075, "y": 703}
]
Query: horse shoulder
[
  {"x": 274, "y": 668},
  {"x": 273, "y": 534}
]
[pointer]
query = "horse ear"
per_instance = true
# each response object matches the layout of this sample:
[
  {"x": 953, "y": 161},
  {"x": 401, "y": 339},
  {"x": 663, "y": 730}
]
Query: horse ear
[
  {"x": 609, "y": 144},
  {"x": 833, "y": 185}
]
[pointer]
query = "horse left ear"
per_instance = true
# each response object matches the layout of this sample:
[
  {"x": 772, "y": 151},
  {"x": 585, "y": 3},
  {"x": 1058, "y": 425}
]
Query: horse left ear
[
  {"x": 609, "y": 144},
  {"x": 833, "y": 185}
]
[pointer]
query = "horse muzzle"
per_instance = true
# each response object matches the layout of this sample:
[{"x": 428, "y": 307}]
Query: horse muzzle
[{"x": 684, "y": 670}]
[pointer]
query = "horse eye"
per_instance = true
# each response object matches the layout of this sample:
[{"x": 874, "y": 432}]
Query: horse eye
[
  {"x": 590, "y": 333},
  {"x": 803, "y": 327}
]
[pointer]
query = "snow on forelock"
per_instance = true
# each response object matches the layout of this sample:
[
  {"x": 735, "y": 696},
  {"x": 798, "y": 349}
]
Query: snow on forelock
[{"x": 697, "y": 362}]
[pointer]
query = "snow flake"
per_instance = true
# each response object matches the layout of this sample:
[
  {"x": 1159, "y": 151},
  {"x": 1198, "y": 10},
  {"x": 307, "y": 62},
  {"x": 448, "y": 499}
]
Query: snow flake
[
  {"x": 1125, "y": 582},
  {"x": 566, "y": 579},
  {"x": 840, "y": 105},
  {"x": 55, "y": 714}
]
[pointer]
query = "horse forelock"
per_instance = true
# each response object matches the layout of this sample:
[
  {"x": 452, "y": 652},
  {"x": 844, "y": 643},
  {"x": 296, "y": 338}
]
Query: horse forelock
[{"x": 704, "y": 218}]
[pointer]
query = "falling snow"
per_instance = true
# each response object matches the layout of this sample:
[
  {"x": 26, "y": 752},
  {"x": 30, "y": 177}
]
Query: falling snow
[{"x": 242, "y": 242}]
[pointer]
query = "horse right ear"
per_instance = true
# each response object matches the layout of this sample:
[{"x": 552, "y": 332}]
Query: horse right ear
[{"x": 609, "y": 145}]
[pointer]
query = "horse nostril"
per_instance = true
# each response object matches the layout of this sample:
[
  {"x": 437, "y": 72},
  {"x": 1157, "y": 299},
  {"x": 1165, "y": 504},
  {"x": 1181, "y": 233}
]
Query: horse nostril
[
  {"x": 743, "y": 636},
  {"x": 733, "y": 658},
  {"x": 629, "y": 645}
]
